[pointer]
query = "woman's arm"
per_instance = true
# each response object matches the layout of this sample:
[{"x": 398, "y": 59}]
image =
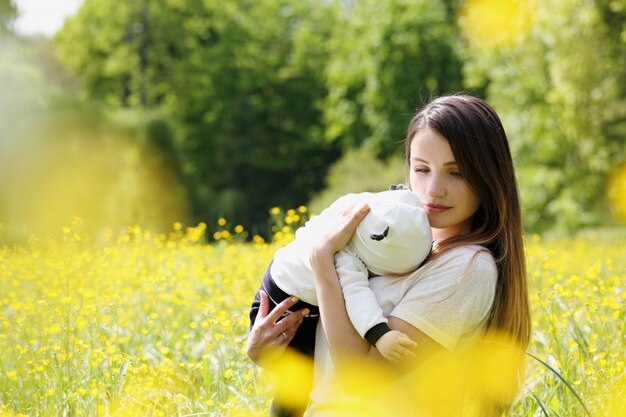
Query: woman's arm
[{"x": 343, "y": 339}]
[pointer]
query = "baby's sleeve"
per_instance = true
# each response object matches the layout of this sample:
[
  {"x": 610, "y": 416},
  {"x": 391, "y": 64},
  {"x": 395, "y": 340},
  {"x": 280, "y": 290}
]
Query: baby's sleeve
[{"x": 361, "y": 303}]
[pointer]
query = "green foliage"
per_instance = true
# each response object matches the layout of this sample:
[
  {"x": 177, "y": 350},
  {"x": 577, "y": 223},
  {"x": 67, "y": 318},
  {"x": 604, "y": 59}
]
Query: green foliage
[
  {"x": 255, "y": 132},
  {"x": 7, "y": 15},
  {"x": 266, "y": 95},
  {"x": 388, "y": 58},
  {"x": 561, "y": 95},
  {"x": 101, "y": 43},
  {"x": 244, "y": 78},
  {"x": 357, "y": 171},
  {"x": 21, "y": 83},
  {"x": 76, "y": 164}
]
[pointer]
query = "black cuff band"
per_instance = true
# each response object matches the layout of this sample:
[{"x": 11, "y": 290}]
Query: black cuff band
[{"x": 376, "y": 332}]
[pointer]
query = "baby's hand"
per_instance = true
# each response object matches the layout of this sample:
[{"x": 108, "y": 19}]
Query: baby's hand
[{"x": 396, "y": 347}]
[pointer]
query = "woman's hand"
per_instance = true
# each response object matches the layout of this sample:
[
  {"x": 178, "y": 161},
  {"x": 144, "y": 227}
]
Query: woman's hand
[
  {"x": 339, "y": 234},
  {"x": 270, "y": 335}
]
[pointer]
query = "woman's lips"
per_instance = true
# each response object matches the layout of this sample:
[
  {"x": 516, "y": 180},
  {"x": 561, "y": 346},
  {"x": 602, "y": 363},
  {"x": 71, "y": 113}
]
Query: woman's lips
[{"x": 436, "y": 208}]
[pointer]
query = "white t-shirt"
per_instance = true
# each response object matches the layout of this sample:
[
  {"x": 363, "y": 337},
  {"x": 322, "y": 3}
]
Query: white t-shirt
[{"x": 448, "y": 299}]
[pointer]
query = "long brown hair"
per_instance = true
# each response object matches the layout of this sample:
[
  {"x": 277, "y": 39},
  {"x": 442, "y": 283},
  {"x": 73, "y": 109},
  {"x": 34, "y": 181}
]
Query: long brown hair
[{"x": 481, "y": 149}]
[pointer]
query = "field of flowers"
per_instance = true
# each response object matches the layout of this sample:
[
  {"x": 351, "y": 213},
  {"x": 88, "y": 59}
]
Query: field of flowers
[{"x": 140, "y": 324}]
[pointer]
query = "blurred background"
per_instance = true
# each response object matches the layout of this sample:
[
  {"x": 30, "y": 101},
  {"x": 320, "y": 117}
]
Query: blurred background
[{"x": 150, "y": 112}]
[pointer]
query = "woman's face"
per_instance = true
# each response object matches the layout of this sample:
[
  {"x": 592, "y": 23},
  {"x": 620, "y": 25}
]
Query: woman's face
[{"x": 435, "y": 177}]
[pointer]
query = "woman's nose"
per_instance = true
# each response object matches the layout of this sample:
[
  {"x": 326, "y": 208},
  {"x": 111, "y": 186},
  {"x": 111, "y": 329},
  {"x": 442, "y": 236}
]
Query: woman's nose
[{"x": 436, "y": 188}]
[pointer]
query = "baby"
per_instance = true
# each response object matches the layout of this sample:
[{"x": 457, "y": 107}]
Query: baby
[{"x": 394, "y": 238}]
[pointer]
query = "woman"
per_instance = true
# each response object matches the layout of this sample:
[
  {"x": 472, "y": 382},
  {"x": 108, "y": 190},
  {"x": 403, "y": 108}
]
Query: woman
[{"x": 461, "y": 168}]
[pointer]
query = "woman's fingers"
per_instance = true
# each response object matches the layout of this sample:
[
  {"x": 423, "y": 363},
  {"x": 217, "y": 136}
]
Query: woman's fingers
[
  {"x": 284, "y": 337},
  {"x": 347, "y": 204},
  {"x": 291, "y": 322},
  {"x": 271, "y": 324},
  {"x": 338, "y": 236},
  {"x": 263, "y": 307},
  {"x": 271, "y": 317},
  {"x": 355, "y": 218},
  {"x": 281, "y": 309}
]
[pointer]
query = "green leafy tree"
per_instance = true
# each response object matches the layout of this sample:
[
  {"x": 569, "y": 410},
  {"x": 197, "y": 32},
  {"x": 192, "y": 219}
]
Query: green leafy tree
[
  {"x": 101, "y": 43},
  {"x": 7, "y": 14},
  {"x": 388, "y": 58},
  {"x": 359, "y": 170},
  {"x": 256, "y": 138},
  {"x": 244, "y": 78},
  {"x": 560, "y": 90}
]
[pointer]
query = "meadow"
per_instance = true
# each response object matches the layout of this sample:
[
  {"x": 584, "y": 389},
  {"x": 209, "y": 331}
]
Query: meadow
[{"x": 132, "y": 323}]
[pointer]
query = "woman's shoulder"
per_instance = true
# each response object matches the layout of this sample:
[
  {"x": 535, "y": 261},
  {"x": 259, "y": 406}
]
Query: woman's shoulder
[
  {"x": 464, "y": 252},
  {"x": 473, "y": 259}
]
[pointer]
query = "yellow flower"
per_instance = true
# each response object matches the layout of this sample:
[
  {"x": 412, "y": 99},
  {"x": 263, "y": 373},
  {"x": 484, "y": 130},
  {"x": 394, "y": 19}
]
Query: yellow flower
[
  {"x": 162, "y": 311},
  {"x": 616, "y": 192},
  {"x": 496, "y": 23}
]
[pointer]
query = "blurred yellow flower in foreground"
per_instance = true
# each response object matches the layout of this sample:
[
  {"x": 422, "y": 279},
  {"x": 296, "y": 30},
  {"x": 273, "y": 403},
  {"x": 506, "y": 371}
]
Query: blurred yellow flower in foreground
[
  {"x": 293, "y": 374},
  {"x": 616, "y": 192},
  {"x": 480, "y": 380},
  {"x": 495, "y": 367},
  {"x": 496, "y": 23}
]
